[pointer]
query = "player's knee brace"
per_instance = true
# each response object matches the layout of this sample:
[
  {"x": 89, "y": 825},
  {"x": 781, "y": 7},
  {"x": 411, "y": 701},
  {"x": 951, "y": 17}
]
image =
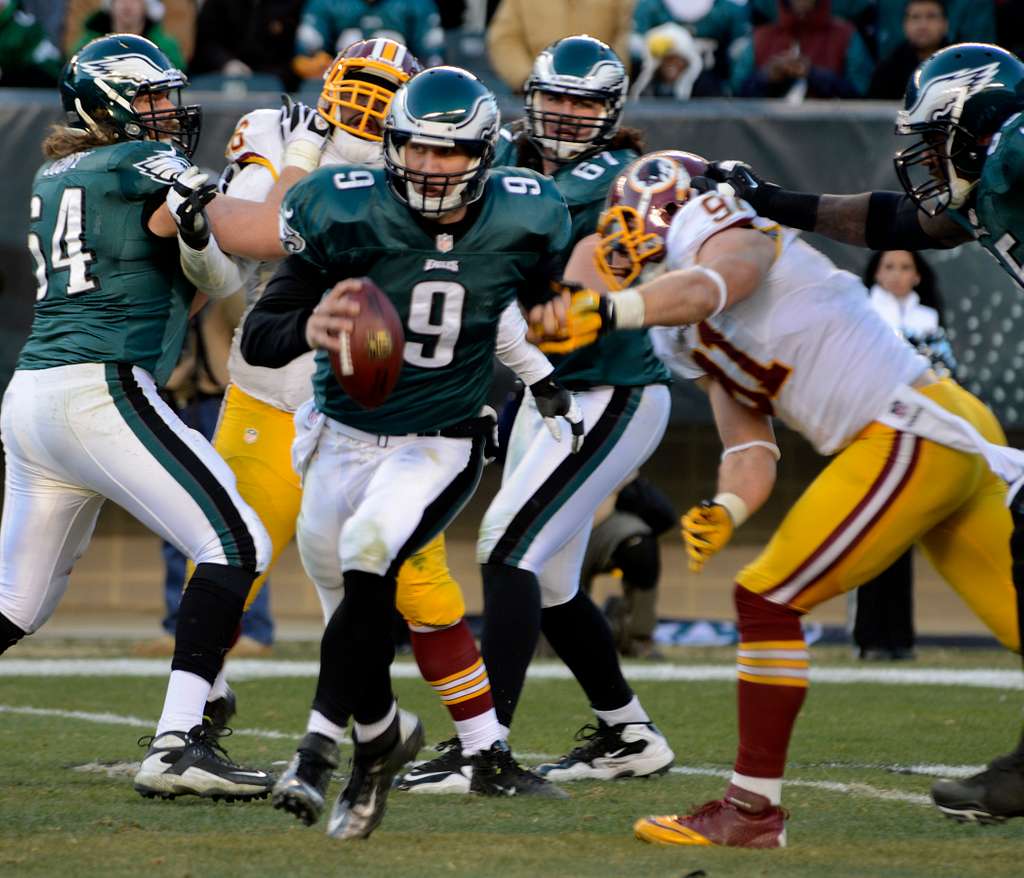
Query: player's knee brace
[
  {"x": 10, "y": 634},
  {"x": 208, "y": 617},
  {"x": 638, "y": 559}
]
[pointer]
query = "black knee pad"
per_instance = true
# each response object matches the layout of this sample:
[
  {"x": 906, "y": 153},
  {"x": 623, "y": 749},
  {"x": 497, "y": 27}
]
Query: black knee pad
[
  {"x": 236, "y": 580},
  {"x": 10, "y": 634},
  {"x": 638, "y": 559}
]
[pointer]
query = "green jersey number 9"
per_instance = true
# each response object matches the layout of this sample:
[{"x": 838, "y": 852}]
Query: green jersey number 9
[{"x": 435, "y": 309}]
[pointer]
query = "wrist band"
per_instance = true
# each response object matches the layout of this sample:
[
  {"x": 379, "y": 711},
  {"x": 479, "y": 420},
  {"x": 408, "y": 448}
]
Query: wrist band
[
  {"x": 628, "y": 309},
  {"x": 719, "y": 281},
  {"x": 756, "y": 443},
  {"x": 735, "y": 506},
  {"x": 302, "y": 154}
]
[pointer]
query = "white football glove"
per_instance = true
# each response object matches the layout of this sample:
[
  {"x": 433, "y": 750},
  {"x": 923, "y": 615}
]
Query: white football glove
[{"x": 304, "y": 132}]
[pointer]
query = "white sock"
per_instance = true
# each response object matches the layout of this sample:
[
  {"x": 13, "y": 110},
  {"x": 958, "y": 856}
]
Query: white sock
[
  {"x": 330, "y": 598},
  {"x": 323, "y": 726},
  {"x": 630, "y": 713},
  {"x": 505, "y": 732},
  {"x": 479, "y": 732},
  {"x": 769, "y": 787},
  {"x": 183, "y": 705},
  {"x": 220, "y": 686},
  {"x": 366, "y": 732}
]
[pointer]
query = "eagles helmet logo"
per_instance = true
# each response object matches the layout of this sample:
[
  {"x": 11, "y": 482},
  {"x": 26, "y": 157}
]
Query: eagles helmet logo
[
  {"x": 132, "y": 66},
  {"x": 163, "y": 167},
  {"x": 952, "y": 90},
  {"x": 291, "y": 240}
]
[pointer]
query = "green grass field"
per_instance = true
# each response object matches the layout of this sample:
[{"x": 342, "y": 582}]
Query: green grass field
[{"x": 854, "y": 812}]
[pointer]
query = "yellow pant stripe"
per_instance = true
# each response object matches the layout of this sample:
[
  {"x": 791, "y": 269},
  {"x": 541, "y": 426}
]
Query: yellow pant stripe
[
  {"x": 775, "y": 644},
  {"x": 774, "y": 663}
]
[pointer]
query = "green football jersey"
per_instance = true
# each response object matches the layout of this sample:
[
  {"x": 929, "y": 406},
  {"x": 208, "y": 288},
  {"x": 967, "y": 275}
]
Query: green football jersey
[
  {"x": 449, "y": 289},
  {"x": 995, "y": 212},
  {"x": 109, "y": 291},
  {"x": 622, "y": 359}
]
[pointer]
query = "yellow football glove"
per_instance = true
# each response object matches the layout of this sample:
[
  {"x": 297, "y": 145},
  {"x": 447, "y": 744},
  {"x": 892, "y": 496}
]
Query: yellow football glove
[
  {"x": 588, "y": 315},
  {"x": 706, "y": 529}
]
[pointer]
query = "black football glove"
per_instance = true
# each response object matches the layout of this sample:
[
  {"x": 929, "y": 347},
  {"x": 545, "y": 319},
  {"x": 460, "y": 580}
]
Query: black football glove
[
  {"x": 186, "y": 200},
  {"x": 553, "y": 402},
  {"x": 743, "y": 182}
]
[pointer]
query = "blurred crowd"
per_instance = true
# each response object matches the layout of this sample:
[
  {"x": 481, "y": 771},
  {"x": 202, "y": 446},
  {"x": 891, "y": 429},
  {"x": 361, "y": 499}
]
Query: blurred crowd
[{"x": 676, "y": 49}]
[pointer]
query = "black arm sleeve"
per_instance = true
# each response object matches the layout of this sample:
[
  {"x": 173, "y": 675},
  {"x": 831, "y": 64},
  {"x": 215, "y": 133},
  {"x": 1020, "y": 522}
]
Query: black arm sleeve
[
  {"x": 536, "y": 288},
  {"x": 275, "y": 329},
  {"x": 893, "y": 224}
]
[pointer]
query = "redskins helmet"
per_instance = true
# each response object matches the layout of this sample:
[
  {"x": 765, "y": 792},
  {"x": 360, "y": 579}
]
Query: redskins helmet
[
  {"x": 105, "y": 84},
  {"x": 641, "y": 202},
  {"x": 364, "y": 78}
]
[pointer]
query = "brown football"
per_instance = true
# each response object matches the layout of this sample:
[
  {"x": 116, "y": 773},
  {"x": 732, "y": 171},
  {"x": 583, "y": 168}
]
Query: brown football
[{"x": 371, "y": 355}]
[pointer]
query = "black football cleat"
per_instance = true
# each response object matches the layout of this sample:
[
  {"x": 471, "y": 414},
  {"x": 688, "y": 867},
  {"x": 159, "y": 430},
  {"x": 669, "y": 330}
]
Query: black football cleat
[
  {"x": 451, "y": 772},
  {"x": 302, "y": 787},
  {"x": 193, "y": 763},
  {"x": 991, "y": 796},
  {"x": 219, "y": 711},
  {"x": 360, "y": 807},
  {"x": 496, "y": 773}
]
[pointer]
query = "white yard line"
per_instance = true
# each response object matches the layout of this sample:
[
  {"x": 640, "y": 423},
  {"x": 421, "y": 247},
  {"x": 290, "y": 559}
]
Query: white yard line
[
  {"x": 860, "y": 790},
  {"x": 257, "y": 669}
]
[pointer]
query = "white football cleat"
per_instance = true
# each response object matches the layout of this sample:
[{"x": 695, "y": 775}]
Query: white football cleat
[{"x": 611, "y": 752}]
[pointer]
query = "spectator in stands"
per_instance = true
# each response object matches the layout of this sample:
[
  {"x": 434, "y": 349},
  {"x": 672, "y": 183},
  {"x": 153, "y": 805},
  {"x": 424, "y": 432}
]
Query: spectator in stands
[
  {"x": 242, "y": 37},
  {"x": 50, "y": 14},
  {"x": 522, "y": 29},
  {"x": 805, "y": 53},
  {"x": 1010, "y": 26},
  {"x": 969, "y": 21},
  {"x": 27, "y": 57},
  {"x": 672, "y": 67},
  {"x": 328, "y": 26},
  {"x": 716, "y": 23},
  {"x": 924, "y": 27},
  {"x": 903, "y": 292},
  {"x": 140, "y": 17}
]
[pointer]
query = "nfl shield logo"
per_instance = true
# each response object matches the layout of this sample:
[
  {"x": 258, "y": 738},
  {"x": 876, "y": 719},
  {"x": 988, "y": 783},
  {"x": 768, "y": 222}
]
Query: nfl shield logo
[{"x": 445, "y": 243}]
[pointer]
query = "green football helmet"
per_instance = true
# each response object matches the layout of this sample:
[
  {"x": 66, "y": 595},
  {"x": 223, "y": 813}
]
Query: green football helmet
[
  {"x": 441, "y": 107},
  {"x": 955, "y": 101},
  {"x": 101, "y": 85},
  {"x": 575, "y": 67}
]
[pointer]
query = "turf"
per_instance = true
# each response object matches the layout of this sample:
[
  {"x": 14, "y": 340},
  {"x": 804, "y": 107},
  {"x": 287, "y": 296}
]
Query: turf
[{"x": 56, "y": 819}]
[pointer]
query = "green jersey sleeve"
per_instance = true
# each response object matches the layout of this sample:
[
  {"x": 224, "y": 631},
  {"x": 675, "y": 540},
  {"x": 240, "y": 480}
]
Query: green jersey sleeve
[
  {"x": 145, "y": 167},
  {"x": 1004, "y": 170}
]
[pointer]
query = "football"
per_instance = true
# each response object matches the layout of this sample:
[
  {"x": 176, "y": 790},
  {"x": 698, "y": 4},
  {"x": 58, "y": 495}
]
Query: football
[{"x": 371, "y": 355}]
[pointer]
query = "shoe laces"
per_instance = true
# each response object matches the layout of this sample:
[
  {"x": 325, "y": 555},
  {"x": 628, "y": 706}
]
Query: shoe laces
[
  {"x": 203, "y": 736},
  {"x": 450, "y": 744},
  {"x": 598, "y": 740}
]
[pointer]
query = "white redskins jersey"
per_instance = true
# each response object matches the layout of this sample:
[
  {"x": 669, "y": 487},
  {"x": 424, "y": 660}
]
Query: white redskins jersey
[
  {"x": 806, "y": 346},
  {"x": 255, "y": 153}
]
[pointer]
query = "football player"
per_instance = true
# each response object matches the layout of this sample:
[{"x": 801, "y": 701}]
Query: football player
[
  {"x": 81, "y": 418},
  {"x": 256, "y": 428},
  {"x": 963, "y": 180},
  {"x": 769, "y": 323},
  {"x": 534, "y": 535},
  {"x": 454, "y": 244}
]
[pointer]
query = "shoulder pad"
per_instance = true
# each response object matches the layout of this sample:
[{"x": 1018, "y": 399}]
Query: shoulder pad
[
  {"x": 699, "y": 219},
  {"x": 145, "y": 166},
  {"x": 317, "y": 209},
  {"x": 257, "y": 139},
  {"x": 531, "y": 202}
]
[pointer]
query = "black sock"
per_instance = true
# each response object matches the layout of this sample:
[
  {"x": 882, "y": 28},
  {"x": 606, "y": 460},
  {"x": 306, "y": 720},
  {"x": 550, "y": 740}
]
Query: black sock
[
  {"x": 356, "y": 652},
  {"x": 511, "y": 629},
  {"x": 210, "y": 611},
  {"x": 579, "y": 633},
  {"x": 10, "y": 634}
]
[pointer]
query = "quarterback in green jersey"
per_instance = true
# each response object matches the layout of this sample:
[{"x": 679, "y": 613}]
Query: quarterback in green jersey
[
  {"x": 82, "y": 421},
  {"x": 963, "y": 180},
  {"x": 535, "y": 532},
  {"x": 453, "y": 243}
]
